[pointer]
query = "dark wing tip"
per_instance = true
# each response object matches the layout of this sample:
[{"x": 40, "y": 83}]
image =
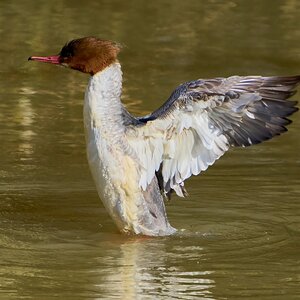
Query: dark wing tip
[
  {"x": 281, "y": 80},
  {"x": 294, "y": 108},
  {"x": 268, "y": 116}
]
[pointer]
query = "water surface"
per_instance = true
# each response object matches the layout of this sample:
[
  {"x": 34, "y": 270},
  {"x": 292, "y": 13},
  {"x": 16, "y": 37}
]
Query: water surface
[{"x": 238, "y": 231}]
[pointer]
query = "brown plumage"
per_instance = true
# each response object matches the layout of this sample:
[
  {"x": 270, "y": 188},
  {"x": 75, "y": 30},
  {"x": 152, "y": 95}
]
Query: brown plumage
[{"x": 89, "y": 54}]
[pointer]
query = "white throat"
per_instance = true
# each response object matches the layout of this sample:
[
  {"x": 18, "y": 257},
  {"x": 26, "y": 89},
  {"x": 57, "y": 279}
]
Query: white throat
[{"x": 103, "y": 107}]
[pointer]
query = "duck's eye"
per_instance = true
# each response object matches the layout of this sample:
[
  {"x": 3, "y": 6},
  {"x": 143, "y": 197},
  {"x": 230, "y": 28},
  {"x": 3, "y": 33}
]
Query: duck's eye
[{"x": 65, "y": 52}]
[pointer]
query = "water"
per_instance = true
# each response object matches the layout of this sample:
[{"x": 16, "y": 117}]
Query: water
[{"x": 239, "y": 229}]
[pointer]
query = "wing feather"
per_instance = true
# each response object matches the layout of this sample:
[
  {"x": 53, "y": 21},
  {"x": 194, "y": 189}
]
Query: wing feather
[{"x": 202, "y": 119}]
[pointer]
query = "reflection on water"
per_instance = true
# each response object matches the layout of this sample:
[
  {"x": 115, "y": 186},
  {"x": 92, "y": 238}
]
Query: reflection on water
[
  {"x": 26, "y": 118},
  {"x": 239, "y": 229},
  {"x": 140, "y": 274},
  {"x": 227, "y": 261},
  {"x": 126, "y": 268}
]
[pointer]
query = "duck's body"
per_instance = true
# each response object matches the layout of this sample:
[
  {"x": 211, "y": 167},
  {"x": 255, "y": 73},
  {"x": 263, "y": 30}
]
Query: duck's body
[
  {"x": 113, "y": 162},
  {"x": 137, "y": 161}
]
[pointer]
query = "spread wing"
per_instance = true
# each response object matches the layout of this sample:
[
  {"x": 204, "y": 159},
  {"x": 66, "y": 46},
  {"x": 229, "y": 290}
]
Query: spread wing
[{"x": 202, "y": 119}]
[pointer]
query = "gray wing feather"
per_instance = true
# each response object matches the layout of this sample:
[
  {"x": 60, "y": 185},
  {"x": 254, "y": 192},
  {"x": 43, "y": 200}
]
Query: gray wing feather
[
  {"x": 248, "y": 110},
  {"x": 202, "y": 118}
]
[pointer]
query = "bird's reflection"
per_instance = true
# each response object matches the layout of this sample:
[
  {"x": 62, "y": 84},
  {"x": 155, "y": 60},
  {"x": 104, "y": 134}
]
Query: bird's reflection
[{"x": 150, "y": 267}]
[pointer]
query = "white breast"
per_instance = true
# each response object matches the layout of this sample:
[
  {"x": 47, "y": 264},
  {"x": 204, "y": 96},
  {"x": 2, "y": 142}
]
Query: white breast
[
  {"x": 113, "y": 170},
  {"x": 113, "y": 163}
]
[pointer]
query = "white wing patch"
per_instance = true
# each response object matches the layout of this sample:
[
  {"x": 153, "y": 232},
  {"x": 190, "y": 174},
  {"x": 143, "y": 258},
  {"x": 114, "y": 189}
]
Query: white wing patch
[{"x": 182, "y": 144}]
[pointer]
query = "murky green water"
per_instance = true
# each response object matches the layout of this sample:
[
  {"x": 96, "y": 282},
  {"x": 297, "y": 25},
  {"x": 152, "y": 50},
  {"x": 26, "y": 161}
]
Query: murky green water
[{"x": 239, "y": 229}]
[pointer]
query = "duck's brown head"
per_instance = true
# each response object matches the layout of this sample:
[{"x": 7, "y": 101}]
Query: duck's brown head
[{"x": 87, "y": 55}]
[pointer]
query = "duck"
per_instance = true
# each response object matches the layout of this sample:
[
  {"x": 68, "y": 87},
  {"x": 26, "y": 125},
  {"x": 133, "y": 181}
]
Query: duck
[{"x": 137, "y": 163}]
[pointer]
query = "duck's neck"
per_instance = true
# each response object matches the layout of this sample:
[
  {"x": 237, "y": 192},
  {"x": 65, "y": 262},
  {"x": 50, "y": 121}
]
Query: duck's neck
[{"x": 103, "y": 108}]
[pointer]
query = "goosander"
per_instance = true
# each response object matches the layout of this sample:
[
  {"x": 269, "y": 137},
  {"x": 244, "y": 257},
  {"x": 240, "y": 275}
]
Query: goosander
[{"x": 137, "y": 162}]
